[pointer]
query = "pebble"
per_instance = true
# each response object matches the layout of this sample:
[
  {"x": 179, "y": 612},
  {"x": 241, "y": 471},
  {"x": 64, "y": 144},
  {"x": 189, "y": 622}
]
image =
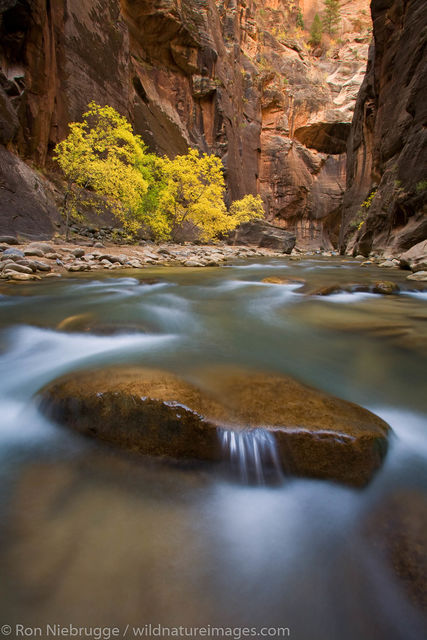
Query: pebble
[
  {"x": 192, "y": 263},
  {"x": 77, "y": 266},
  {"x": 41, "y": 266},
  {"x": 45, "y": 247},
  {"x": 385, "y": 287},
  {"x": 20, "y": 268},
  {"x": 13, "y": 252},
  {"x": 419, "y": 276},
  {"x": 9, "y": 240},
  {"x": 389, "y": 263},
  {"x": 76, "y": 259},
  {"x": 13, "y": 275},
  {"x": 34, "y": 252}
]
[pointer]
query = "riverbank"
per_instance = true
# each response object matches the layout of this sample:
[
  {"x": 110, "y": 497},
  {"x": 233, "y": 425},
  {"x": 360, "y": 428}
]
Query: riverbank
[
  {"x": 36, "y": 260},
  {"x": 23, "y": 262}
]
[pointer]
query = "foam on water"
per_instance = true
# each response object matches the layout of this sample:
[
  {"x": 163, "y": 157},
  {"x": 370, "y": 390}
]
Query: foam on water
[
  {"x": 419, "y": 295},
  {"x": 259, "y": 265},
  {"x": 346, "y": 297},
  {"x": 46, "y": 354}
]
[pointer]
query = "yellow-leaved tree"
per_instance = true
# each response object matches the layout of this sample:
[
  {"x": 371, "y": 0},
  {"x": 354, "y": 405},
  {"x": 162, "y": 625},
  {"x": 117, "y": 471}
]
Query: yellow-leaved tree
[
  {"x": 192, "y": 198},
  {"x": 172, "y": 198},
  {"x": 102, "y": 154}
]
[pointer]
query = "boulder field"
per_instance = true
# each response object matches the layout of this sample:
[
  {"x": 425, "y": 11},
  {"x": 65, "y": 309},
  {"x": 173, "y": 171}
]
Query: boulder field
[
  {"x": 36, "y": 260},
  {"x": 157, "y": 413}
]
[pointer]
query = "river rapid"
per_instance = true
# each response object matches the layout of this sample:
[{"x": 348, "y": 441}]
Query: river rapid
[{"x": 94, "y": 536}]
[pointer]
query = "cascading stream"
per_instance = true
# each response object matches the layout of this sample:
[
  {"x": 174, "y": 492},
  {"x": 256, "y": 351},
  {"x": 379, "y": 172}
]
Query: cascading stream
[{"x": 252, "y": 454}]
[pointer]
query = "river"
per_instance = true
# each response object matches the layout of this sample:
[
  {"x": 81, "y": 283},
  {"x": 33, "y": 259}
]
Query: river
[{"x": 94, "y": 536}]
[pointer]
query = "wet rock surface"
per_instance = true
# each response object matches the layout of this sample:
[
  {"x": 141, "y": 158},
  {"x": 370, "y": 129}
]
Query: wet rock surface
[{"x": 157, "y": 413}]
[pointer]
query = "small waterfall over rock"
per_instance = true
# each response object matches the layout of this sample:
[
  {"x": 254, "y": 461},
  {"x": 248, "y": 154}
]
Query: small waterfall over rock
[{"x": 253, "y": 455}]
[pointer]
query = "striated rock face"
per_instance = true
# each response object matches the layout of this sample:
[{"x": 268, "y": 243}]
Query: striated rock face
[
  {"x": 230, "y": 77},
  {"x": 27, "y": 199},
  {"x": 263, "y": 234},
  {"x": 157, "y": 413},
  {"x": 388, "y": 143},
  {"x": 307, "y": 106},
  {"x": 164, "y": 65}
]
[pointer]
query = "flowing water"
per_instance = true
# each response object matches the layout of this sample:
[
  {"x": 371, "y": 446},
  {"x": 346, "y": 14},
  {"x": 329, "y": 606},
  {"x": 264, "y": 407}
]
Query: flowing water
[
  {"x": 93, "y": 536},
  {"x": 252, "y": 454}
]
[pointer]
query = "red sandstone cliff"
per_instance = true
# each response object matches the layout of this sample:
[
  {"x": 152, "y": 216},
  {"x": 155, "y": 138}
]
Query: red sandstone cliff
[{"x": 233, "y": 77}]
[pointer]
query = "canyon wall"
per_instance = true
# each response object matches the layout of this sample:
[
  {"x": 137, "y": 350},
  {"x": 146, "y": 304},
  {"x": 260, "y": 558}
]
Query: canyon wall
[
  {"x": 231, "y": 77},
  {"x": 388, "y": 143}
]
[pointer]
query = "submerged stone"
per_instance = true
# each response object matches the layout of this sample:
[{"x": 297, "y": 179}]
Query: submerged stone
[
  {"x": 397, "y": 531},
  {"x": 385, "y": 287},
  {"x": 157, "y": 413},
  {"x": 89, "y": 323},
  {"x": 282, "y": 280}
]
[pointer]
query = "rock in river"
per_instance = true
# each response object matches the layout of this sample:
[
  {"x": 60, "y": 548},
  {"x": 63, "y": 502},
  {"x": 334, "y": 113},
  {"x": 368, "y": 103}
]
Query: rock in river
[
  {"x": 397, "y": 529},
  {"x": 157, "y": 413},
  {"x": 9, "y": 239}
]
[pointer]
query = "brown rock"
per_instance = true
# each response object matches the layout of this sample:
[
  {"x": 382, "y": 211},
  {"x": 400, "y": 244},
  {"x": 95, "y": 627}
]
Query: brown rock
[
  {"x": 9, "y": 240},
  {"x": 77, "y": 322},
  {"x": 42, "y": 248},
  {"x": 34, "y": 252},
  {"x": 75, "y": 267},
  {"x": 282, "y": 280},
  {"x": 327, "y": 137},
  {"x": 264, "y": 234},
  {"x": 388, "y": 140},
  {"x": 23, "y": 277},
  {"x": 40, "y": 266},
  {"x": 416, "y": 257},
  {"x": 27, "y": 204},
  {"x": 213, "y": 75},
  {"x": 9, "y": 123},
  {"x": 327, "y": 290},
  {"x": 420, "y": 276},
  {"x": 88, "y": 323},
  {"x": 157, "y": 413},
  {"x": 20, "y": 268},
  {"x": 385, "y": 287}
]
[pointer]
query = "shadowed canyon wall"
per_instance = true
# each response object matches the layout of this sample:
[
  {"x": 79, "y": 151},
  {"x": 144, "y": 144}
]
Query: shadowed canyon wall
[{"x": 388, "y": 142}]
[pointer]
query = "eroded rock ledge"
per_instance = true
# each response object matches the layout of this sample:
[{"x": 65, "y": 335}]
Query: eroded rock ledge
[{"x": 154, "y": 412}]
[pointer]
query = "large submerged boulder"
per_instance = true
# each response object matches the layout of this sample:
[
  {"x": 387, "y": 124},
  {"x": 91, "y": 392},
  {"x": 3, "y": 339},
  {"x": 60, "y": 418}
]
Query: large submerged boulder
[
  {"x": 396, "y": 529},
  {"x": 157, "y": 413}
]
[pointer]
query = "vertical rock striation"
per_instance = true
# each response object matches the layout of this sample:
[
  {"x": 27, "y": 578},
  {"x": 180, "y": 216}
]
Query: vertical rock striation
[
  {"x": 230, "y": 77},
  {"x": 388, "y": 141}
]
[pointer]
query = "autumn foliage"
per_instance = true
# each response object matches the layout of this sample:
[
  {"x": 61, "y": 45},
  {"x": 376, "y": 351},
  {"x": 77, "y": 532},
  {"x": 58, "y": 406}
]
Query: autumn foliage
[{"x": 167, "y": 197}]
